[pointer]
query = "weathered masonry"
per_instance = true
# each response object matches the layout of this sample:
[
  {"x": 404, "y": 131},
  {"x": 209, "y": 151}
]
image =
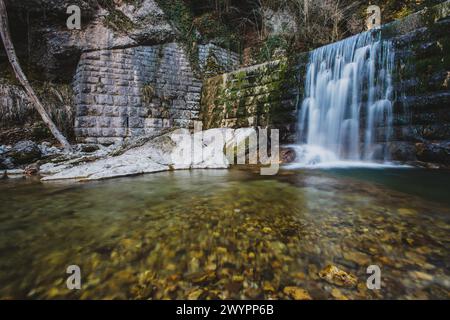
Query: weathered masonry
[
  {"x": 422, "y": 110},
  {"x": 128, "y": 92},
  {"x": 264, "y": 95}
]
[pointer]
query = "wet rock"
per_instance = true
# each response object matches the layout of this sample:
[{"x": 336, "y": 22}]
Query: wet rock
[
  {"x": 287, "y": 155},
  {"x": 268, "y": 287},
  {"x": 6, "y": 163},
  {"x": 337, "y": 294},
  {"x": 406, "y": 212},
  {"x": 48, "y": 150},
  {"x": 24, "y": 152},
  {"x": 360, "y": 258},
  {"x": 297, "y": 293},
  {"x": 402, "y": 151},
  {"x": 253, "y": 293},
  {"x": 89, "y": 148},
  {"x": 434, "y": 152},
  {"x": 195, "y": 294},
  {"x": 334, "y": 275},
  {"x": 421, "y": 275},
  {"x": 32, "y": 169},
  {"x": 15, "y": 173}
]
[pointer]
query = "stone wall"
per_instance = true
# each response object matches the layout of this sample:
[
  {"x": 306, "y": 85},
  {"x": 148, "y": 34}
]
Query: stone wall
[
  {"x": 259, "y": 96},
  {"x": 128, "y": 92},
  {"x": 422, "y": 78},
  {"x": 214, "y": 59}
]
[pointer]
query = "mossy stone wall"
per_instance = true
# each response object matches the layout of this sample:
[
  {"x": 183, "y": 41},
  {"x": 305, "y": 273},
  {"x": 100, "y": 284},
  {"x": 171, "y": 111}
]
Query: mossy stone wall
[
  {"x": 422, "y": 64},
  {"x": 264, "y": 95}
]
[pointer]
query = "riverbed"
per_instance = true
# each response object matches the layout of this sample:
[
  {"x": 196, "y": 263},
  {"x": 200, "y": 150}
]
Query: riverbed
[{"x": 222, "y": 234}]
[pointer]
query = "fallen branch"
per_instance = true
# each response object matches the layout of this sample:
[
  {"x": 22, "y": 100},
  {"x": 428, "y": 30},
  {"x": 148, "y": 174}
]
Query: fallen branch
[{"x": 12, "y": 57}]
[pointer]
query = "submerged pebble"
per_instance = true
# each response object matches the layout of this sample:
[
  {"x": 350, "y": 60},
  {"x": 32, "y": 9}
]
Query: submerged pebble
[{"x": 181, "y": 236}]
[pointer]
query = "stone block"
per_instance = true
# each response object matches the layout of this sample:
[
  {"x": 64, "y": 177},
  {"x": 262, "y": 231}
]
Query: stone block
[
  {"x": 104, "y": 99},
  {"x": 136, "y": 122}
]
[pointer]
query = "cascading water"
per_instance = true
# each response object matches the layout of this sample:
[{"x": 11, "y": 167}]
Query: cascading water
[{"x": 347, "y": 109}]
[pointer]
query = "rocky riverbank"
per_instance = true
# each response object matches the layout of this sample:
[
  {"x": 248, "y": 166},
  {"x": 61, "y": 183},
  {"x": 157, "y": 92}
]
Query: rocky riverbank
[{"x": 171, "y": 150}]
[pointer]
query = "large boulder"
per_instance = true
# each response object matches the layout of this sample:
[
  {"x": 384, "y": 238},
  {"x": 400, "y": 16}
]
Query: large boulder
[
  {"x": 5, "y": 161},
  {"x": 176, "y": 150},
  {"x": 434, "y": 152},
  {"x": 24, "y": 152}
]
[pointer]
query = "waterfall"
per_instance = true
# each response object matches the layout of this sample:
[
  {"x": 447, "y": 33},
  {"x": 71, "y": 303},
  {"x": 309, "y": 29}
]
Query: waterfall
[{"x": 346, "y": 114}]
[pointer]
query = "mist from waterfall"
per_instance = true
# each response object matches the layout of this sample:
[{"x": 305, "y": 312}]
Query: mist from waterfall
[{"x": 346, "y": 114}]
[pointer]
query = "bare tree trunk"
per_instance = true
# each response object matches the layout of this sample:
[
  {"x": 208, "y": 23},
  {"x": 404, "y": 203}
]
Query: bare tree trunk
[{"x": 9, "y": 47}]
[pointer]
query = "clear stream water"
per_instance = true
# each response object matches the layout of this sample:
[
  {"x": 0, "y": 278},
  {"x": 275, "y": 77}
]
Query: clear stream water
[{"x": 228, "y": 234}]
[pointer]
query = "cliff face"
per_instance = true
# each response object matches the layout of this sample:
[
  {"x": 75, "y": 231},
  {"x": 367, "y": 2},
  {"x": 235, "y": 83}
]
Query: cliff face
[{"x": 42, "y": 38}]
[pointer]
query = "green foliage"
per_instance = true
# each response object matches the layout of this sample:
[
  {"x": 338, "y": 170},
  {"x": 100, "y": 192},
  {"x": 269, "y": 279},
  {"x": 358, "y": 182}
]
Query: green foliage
[
  {"x": 397, "y": 9},
  {"x": 270, "y": 46},
  {"x": 212, "y": 28},
  {"x": 212, "y": 67},
  {"x": 118, "y": 21},
  {"x": 196, "y": 27},
  {"x": 183, "y": 20}
]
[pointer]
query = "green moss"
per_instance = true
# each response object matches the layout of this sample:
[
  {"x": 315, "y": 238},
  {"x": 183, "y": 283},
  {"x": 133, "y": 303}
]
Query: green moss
[
  {"x": 116, "y": 19},
  {"x": 251, "y": 93},
  {"x": 119, "y": 22},
  {"x": 212, "y": 66},
  {"x": 148, "y": 93},
  {"x": 424, "y": 18},
  {"x": 183, "y": 19}
]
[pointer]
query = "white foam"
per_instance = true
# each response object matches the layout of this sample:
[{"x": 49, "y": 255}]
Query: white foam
[
  {"x": 346, "y": 165},
  {"x": 316, "y": 157}
]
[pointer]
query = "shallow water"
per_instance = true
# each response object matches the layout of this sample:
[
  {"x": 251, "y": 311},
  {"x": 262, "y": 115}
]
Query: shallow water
[{"x": 228, "y": 234}]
